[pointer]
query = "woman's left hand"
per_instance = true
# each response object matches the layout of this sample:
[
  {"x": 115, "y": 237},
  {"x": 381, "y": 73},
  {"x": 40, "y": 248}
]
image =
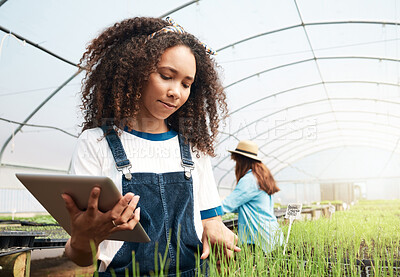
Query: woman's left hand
[{"x": 216, "y": 233}]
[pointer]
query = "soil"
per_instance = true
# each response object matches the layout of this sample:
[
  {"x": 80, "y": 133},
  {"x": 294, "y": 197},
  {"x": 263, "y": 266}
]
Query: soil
[{"x": 58, "y": 267}]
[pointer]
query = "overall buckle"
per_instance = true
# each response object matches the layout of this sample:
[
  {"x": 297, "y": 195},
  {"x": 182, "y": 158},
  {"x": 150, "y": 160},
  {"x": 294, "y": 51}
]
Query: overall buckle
[
  {"x": 187, "y": 170},
  {"x": 126, "y": 170}
]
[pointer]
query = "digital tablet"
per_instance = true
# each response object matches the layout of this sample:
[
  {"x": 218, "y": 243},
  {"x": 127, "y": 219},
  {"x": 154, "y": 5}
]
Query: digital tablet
[{"x": 47, "y": 189}]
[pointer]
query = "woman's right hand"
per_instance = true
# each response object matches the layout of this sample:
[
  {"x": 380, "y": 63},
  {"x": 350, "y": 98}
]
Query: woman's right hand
[{"x": 94, "y": 225}]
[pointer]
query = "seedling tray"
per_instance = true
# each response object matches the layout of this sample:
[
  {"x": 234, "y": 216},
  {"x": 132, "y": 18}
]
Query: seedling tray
[
  {"x": 9, "y": 239},
  {"x": 49, "y": 243},
  {"x": 13, "y": 250}
]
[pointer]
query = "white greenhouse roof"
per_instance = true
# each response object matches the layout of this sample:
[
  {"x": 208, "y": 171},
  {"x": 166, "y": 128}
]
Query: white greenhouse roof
[{"x": 302, "y": 78}]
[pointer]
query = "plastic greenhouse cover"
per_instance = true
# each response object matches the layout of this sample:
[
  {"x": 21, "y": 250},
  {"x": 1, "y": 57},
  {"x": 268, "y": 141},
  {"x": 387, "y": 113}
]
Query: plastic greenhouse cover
[{"x": 302, "y": 78}]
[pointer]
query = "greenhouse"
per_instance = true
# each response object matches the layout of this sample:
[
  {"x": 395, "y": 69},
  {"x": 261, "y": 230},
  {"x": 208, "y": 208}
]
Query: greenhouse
[{"x": 314, "y": 84}]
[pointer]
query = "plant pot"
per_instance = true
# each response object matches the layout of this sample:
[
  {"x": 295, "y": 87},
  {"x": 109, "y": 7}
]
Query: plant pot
[
  {"x": 4, "y": 241},
  {"x": 346, "y": 269},
  {"x": 231, "y": 223},
  {"x": 383, "y": 269}
]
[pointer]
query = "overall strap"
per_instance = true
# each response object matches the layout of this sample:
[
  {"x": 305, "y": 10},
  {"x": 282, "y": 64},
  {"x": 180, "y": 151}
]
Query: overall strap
[
  {"x": 186, "y": 157},
  {"x": 121, "y": 161}
]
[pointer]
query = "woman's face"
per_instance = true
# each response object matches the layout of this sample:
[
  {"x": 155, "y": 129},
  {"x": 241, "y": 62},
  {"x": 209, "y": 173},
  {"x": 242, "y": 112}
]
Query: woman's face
[{"x": 169, "y": 87}]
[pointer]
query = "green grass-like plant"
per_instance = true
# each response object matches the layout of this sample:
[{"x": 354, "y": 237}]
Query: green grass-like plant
[{"x": 364, "y": 238}]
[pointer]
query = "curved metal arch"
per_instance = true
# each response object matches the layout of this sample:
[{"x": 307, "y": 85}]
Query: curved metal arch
[
  {"x": 305, "y": 103},
  {"x": 318, "y": 114},
  {"x": 323, "y": 123},
  {"x": 68, "y": 80},
  {"x": 284, "y": 146},
  {"x": 321, "y": 141},
  {"x": 313, "y": 85},
  {"x": 179, "y": 8},
  {"x": 308, "y": 103},
  {"x": 303, "y": 118},
  {"x": 326, "y": 131},
  {"x": 35, "y": 45},
  {"x": 330, "y": 122},
  {"x": 316, "y": 150},
  {"x": 7, "y": 31},
  {"x": 305, "y": 25},
  {"x": 309, "y": 60},
  {"x": 34, "y": 112},
  {"x": 2, "y": 2},
  {"x": 325, "y": 139},
  {"x": 326, "y": 147}
]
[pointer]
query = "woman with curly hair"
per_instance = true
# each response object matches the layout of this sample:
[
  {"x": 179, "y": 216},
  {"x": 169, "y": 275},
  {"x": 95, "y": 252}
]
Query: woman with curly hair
[{"x": 152, "y": 102}]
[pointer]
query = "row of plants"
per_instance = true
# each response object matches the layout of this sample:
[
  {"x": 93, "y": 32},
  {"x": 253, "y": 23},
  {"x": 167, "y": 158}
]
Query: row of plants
[
  {"x": 49, "y": 232},
  {"x": 44, "y": 224},
  {"x": 34, "y": 220},
  {"x": 364, "y": 238},
  {"x": 362, "y": 241},
  {"x": 40, "y": 231}
]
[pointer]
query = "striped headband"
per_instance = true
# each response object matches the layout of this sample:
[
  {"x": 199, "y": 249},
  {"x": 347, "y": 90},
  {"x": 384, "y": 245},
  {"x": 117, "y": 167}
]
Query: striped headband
[{"x": 176, "y": 28}]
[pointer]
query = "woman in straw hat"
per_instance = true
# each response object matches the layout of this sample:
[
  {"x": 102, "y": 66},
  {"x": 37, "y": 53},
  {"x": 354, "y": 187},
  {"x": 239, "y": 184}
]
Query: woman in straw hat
[{"x": 252, "y": 198}]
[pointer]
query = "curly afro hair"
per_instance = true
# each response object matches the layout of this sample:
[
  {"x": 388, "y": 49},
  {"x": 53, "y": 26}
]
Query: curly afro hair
[{"x": 118, "y": 64}]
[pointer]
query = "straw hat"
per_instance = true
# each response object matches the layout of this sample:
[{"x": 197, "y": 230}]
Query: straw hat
[{"x": 248, "y": 149}]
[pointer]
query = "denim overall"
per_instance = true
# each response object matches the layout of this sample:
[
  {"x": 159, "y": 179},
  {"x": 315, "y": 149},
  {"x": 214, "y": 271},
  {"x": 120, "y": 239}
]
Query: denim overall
[{"x": 166, "y": 213}]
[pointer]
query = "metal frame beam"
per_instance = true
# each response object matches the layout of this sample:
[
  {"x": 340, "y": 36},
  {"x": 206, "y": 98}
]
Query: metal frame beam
[
  {"x": 321, "y": 147},
  {"x": 308, "y": 103},
  {"x": 272, "y": 168},
  {"x": 312, "y": 180},
  {"x": 304, "y": 118},
  {"x": 34, "y": 112},
  {"x": 321, "y": 140},
  {"x": 306, "y": 25},
  {"x": 257, "y": 74}
]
